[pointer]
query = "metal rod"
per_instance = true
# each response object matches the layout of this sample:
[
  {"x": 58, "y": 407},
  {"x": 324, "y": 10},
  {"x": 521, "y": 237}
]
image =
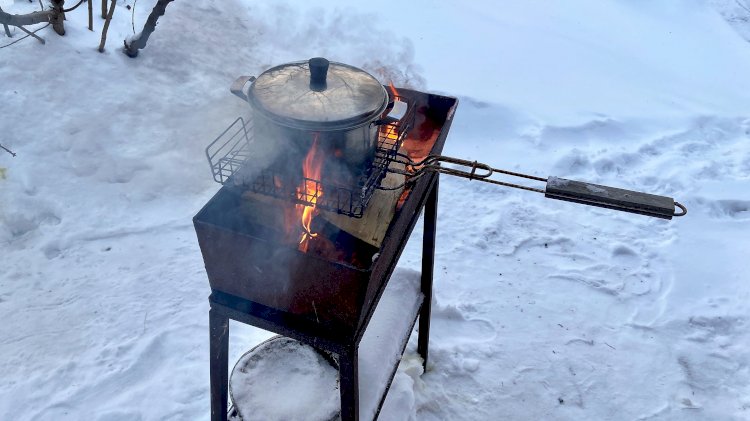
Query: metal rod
[
  {"x": 349, "y": 384},
  {"x": 428, "y": 268},
  {"x": 479, "y": 171},
  {"x": 556, "y": 188},
  {"x": 219, "y": 364}
]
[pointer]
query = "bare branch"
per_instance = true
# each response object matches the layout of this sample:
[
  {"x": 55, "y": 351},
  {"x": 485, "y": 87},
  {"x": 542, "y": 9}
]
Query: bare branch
[
  {"x": 55, "y": 16},
  {"x": 24, "y": 37},
  {"x": 40, "y": 39},
  {"x": 106, "y": 25},
  {"x": 27, "y": 19},
  {"x": 8, "y": 150},
  {"x": 138, "y": 42},
  {"x": 74, "y": 7},
  {"x": 132, "y": 15}
]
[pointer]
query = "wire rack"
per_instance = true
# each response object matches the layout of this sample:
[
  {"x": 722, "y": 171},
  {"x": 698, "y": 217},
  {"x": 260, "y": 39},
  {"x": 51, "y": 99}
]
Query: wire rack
[
  {"x": 230, "y": 158},
  {"x": 230, "y": 151}
]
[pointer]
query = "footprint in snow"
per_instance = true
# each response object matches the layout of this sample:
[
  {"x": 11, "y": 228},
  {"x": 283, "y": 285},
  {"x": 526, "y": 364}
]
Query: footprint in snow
[
  {"x": 625, "y": 255},
  {"x": 736, "y": 209},
  {"x": 450, "y": 324},
  {"x": 621, "y": 271}
]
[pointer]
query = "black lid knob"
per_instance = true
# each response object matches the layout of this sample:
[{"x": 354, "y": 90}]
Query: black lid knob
[{"x": 318, "y": 73}]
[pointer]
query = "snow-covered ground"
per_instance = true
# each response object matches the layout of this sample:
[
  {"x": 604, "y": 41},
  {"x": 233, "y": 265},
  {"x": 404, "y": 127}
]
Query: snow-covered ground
[{"x": 543, "y": 309}]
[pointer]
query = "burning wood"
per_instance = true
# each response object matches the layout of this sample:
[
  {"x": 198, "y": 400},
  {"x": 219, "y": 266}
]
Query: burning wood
[
  {"x": 371, "y": 228},
  {"x": 310, "y": 191}
]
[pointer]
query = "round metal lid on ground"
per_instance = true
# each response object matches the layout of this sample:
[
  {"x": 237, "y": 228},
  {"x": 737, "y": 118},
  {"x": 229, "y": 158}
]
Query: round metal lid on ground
[
  {"x": 318, "y": 94},
  {"x": 284, "y": 379}
]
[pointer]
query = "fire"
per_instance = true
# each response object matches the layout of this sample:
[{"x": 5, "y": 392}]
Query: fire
[
  {"x": 391, "y": 130},
  {"x": 310, "y": 191},
  {"x": 393, "y": 89}
]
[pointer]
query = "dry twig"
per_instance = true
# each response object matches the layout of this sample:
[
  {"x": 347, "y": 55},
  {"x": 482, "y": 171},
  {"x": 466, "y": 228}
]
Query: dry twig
[
  {"x": 74, "y": 7},
  {"x": 31, "y": 34},
  {"x": 8, "y": 150},
  {"x": 24, "y": 37},
  {"x": 132, "y": 15}
]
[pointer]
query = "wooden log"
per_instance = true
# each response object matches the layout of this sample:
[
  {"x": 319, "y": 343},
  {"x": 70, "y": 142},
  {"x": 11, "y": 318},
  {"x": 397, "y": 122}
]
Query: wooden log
[
  {"x": 377, "y": 216},
  {"x": 55, "y": 16},
  {"x": 27, "y": 19}
]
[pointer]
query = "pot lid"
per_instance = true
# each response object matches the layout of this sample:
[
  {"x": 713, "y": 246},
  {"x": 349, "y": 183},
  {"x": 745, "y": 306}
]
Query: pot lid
[{"x": 318, "y": 94}]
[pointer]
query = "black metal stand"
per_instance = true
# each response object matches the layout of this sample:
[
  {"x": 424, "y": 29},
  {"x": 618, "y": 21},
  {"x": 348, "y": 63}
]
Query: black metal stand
[
  {"x": 428, "y": 266},
  {"x": 218, "y": 325},
  {"x": 225, "y": 306}
]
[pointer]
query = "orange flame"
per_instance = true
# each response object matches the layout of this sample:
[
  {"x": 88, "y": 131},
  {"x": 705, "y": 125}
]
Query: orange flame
[
  {"x": 391, "y": 130},
  {"x": 393, "y": 89},
  {"x": 310, "y": 191}
]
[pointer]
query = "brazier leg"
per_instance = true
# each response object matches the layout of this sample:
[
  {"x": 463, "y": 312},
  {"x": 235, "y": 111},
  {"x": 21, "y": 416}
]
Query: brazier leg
[
  {"x": 219, "y": 348},
  {"x": 349, "y": 385},
  {"x": 428, "y": 265}
]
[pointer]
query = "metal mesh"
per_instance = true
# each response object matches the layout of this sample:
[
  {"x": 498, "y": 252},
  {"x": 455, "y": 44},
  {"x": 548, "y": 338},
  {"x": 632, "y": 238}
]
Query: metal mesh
[{"x": 229, "y": 155}]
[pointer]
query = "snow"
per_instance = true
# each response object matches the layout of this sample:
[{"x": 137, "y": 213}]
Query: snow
[
  {"x": 284, "y": 379},
  {"x": 380, "y": 348},
  {"x": 542, "y": 309},
  {"x": 287, "y": 380}
]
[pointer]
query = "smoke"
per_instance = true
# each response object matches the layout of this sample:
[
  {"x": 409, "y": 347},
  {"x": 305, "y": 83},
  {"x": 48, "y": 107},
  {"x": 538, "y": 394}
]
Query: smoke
[
  {"x": 282, "y": 33},
  {"x": 271, "y": 34}
]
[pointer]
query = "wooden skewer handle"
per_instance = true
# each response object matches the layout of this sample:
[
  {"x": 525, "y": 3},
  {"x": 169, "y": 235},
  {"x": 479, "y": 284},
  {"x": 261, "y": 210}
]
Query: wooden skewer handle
[{"x": 612, "y": 198}]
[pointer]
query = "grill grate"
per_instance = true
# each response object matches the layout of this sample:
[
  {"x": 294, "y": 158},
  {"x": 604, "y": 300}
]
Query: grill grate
[{"x": 231, "y": 161}]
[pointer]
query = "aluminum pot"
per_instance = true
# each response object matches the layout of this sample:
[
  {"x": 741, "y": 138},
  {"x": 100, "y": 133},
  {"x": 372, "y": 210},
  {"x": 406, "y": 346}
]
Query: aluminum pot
[{"x": 339, "y": 105}]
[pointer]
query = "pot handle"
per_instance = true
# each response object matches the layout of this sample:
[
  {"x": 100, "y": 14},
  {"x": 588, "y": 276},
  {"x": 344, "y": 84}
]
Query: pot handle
[{"x": 238, "y": 87}]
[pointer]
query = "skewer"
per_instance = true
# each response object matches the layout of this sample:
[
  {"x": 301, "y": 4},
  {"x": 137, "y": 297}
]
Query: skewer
[{"x": 556, "y": 188}]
